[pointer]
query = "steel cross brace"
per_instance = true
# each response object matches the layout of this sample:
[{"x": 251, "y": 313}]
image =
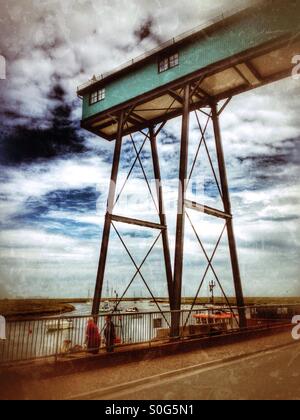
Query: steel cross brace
[
  {"x": 209, "y": 260},
  {"x": 110, "y": 217},
  {"x": 223, "y": 189},
  {"x": 138, "y": 271}
]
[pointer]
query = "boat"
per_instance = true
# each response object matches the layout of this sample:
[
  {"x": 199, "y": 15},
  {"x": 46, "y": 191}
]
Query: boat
[
  {"x": 59, "y": 325},
  {"x": 106, "y": 307},
  {"x": 217, "y": 316},
  {"x": 132, "y": 310}
]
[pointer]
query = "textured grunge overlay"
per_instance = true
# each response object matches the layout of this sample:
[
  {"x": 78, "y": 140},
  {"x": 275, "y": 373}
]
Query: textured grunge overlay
[
  {"x": 54, "y": 176},
  {"x": 54, "y": 180}
]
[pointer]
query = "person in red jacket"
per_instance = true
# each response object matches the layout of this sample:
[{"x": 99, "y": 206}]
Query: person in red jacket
[{"x": 93, "y": 340}]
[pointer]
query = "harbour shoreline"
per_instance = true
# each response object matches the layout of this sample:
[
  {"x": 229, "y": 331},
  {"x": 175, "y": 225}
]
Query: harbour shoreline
[
  {"x": 19, "y": 309},
  {"x": 24, "y": 308}
]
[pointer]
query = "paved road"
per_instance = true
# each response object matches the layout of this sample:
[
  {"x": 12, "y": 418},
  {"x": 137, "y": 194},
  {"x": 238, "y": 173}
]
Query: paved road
[
  {"x": 267, "y": 375},
  {"x": 272, "y": 375}
]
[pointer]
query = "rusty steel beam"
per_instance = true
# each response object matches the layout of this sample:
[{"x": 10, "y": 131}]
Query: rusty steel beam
[
  {"x": 107, "y": 224},
  {"x": 207, "y": 210},
  {"x": 224, "y": 106},
  {"x": 175, "y": 96},
  {"x": 138, "y": 117},
  {"x": 254, "y": 71},
  {"x": 162, "y": 215},
  {"x": 180, "y": 229},
  {"x": 136, "y": 222},
  {"x": 227, "y": 206},
  {"x": 242, "y": 76}
]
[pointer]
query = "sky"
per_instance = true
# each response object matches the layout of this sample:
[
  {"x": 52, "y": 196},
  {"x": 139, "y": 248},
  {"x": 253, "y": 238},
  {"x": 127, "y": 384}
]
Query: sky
[{"x": 54, "y": 176}]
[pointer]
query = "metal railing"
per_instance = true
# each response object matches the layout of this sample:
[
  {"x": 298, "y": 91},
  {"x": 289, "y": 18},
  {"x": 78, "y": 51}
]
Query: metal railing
[{"x": 56, "y": 337}]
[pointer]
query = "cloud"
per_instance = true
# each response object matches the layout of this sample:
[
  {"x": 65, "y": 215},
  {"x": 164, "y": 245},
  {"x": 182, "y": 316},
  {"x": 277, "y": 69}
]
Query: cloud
[
  {"x": 44, "y": 40},
  {"x": 26, "y": 143}
]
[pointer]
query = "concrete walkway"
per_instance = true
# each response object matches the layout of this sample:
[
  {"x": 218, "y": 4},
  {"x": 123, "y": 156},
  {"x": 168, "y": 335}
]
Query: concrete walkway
[
  {"x": 270, "y": 375},
  {"x": 29, "y": 383}
]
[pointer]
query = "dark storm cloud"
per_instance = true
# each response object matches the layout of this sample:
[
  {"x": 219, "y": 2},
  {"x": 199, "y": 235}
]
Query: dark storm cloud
[
  {"x": 80, "y": 201},
  {"x": 290, "y": 218},
  {"x": 46, "y": 210},
  {"x": 168, "y": 137},
  {"x": 270, "y": 168},
  {"x": 147, "y": 30},
  {"x": 24, "y": 144},
  {"x": 279, "y": 245},
  {"x": 211, "y": 189},
  {"x": 288, "y": 151},
  {"x": 141, "y": 235},
  {"x": 266, "y": 161}
]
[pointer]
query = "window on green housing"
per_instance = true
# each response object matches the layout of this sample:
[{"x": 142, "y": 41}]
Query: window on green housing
[
  {"x": 97, "y": 96},
  {"x": 168, "y": 63}
]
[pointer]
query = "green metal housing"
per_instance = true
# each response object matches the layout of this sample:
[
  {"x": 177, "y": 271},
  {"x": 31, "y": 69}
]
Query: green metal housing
[{"x": 246, "y": 31}]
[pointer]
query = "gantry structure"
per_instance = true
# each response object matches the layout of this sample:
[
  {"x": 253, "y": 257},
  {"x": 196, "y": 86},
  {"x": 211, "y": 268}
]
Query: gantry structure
[{"x": 200, "y": 72}]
